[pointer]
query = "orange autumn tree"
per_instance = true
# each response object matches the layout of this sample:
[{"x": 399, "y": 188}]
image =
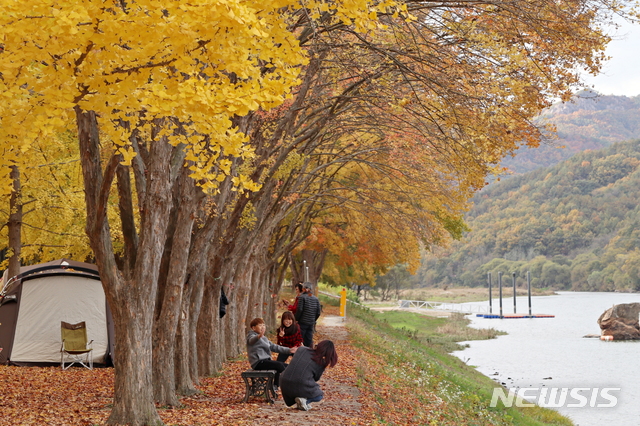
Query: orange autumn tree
[
  {"x": 442, "y": 98},
  {"x": 377, "y": 212}
]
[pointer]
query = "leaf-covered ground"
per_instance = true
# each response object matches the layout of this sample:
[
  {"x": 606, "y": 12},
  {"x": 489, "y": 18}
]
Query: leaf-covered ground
[
  {"x": 382, "y": 378},
  {"x": 49, "y": 396}
]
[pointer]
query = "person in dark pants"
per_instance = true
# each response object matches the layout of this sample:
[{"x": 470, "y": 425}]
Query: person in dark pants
[
  {"x": 307, "y": 314},
  {"x": 259, "y": 350},
  {"x": 299, "y": 380}
]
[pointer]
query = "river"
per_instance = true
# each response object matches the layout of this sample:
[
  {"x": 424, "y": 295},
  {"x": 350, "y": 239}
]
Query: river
[{"x": 552, "y": 354}]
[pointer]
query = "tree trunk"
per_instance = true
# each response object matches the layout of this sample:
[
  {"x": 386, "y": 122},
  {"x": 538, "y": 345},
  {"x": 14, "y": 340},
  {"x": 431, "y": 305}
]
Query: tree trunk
[
  {"x": 204, "y": 332},
  {"x": 15, "y": 223},
  {"x": 260, "y": 286},
  {"x": 207, "y": 326},
  {"x": 131, "y": 292},
  {"x": 186, "y": 354},
  {"x": 235, "y": 341},
  {"x": 276, "y": 282},
  {"x": 312, "y": 260},
  {"x": 166, "y": 323},
  {"x": 220, "y": 338},
  {"x": 186, "y": 360},
  {"x": 133, "y": 400},
  {"x": 127, "y": 216},
  {"x": 195, "y": 309},
  {"x": 213, "y": 330}
]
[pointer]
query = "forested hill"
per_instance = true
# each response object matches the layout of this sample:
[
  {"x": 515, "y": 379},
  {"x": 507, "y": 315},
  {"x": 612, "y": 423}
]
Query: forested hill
[
  {"x": 575, "y": 225},
  {"x": 589, "y": 121}
]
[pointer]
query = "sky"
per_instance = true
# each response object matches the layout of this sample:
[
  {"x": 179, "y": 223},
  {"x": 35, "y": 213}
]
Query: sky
[{"x": 621, "y": 74}]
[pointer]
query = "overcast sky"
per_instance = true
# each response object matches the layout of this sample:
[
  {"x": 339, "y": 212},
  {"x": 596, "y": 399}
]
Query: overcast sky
[{"x": 621, "y": 74}]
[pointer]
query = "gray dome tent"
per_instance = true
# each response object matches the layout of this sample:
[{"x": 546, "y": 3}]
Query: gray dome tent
[{"x": 33, "y": 304}]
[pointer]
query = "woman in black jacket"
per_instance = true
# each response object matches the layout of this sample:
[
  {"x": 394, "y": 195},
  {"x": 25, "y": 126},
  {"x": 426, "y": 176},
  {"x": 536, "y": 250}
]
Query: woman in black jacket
[{"x": 298, "y": 383}]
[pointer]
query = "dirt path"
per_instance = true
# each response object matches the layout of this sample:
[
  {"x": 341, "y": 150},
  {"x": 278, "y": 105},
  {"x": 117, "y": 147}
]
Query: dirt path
[{"x": 340, "y": 405}]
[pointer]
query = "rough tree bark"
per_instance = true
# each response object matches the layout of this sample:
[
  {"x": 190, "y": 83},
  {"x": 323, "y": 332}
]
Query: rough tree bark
[
  {"x": 130, "y": 291},
  {"x": 207, "y": 326},
  {"x": 186, "y": 354},
  {"x": 187, "y": 202}
]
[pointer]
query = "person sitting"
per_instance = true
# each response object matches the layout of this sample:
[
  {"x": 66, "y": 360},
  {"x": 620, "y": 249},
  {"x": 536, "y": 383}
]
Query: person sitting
[
  {"x": 299, "y": 381},
  {"x": 259, "y": 350},
  {"x": 288, "y": 334}
]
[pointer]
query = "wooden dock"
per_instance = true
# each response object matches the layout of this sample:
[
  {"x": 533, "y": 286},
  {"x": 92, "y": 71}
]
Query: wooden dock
[{"x": 507, "y": 316}]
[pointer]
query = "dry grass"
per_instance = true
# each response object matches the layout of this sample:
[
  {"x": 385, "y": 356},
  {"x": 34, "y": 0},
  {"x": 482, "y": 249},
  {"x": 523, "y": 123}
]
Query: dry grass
[{"x": 457, "y": 328}]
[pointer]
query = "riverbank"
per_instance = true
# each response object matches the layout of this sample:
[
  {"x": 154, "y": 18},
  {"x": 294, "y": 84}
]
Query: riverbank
[
  {"x": 551, "y": 353},
  {"x": 391, "y": 371},
  {"x": 415, "y": 380}
]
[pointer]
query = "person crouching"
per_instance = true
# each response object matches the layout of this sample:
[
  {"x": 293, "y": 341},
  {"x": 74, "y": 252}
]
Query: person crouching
[{"x": 299, "y": 381}]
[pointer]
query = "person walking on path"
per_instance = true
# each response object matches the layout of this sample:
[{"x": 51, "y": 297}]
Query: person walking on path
[
  {"x": 307, "y": 313},
  {"x": 300, "y": 380},
  {"x": 259, "y": 350},
  {"x": 289, "y": 334}
]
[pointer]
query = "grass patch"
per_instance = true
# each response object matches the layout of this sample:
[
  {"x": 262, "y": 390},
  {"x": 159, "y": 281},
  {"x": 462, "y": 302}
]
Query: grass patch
[
  {"x": 445, "y": 332},
  {"x": 408, "y": 374}
]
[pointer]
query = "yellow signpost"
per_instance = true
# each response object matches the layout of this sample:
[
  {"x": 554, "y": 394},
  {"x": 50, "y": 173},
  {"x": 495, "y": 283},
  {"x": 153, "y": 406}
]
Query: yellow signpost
[{"x": 343, "y": 303}]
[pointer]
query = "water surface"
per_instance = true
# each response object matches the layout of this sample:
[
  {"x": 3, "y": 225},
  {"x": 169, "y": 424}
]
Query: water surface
[{"x": 552, "y": 352}]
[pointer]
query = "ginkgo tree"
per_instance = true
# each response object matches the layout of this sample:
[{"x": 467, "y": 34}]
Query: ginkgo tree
[
  {"x": 153, "y": 89},
  {"x": 472, "y": 96},
  {"x": 438, "y": 93},
  {"x": 46, "y": 205},
  {"x": 375, "y": 211}
]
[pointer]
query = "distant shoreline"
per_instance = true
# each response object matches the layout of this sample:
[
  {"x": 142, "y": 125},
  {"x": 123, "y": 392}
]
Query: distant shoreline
[{"x": 452, "y": 295}]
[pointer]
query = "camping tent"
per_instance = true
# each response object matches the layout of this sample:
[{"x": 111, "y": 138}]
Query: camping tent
[{"x": 33, "y": 303}]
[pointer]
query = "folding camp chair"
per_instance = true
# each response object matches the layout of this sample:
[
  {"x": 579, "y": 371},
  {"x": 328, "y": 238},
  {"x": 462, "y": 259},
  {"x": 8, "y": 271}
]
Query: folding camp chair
[{"x": 75, "y": 348}]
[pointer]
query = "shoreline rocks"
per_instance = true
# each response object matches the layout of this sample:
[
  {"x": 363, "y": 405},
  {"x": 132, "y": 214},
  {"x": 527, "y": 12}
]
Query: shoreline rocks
[{"x": 621, "y": 322}]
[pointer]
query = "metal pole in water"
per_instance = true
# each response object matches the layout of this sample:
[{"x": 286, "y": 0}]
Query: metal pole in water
[
  {"x": 489, "y": 279},
  {"x": 500, "y": 287},
  {"x": 529, "y": 291},
  {"x": 513, "y": 275}
]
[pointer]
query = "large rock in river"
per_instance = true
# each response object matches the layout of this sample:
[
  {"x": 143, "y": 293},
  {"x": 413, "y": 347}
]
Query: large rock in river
[{"x": 621, "y": 322}]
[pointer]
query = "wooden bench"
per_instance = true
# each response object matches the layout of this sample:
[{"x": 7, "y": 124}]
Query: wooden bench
[{"x": 259, "y": 383}]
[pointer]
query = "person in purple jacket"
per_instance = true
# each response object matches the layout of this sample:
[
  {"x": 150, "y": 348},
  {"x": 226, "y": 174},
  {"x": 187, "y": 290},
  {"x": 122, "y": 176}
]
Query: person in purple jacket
[{"x": 299, "y": 382}]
